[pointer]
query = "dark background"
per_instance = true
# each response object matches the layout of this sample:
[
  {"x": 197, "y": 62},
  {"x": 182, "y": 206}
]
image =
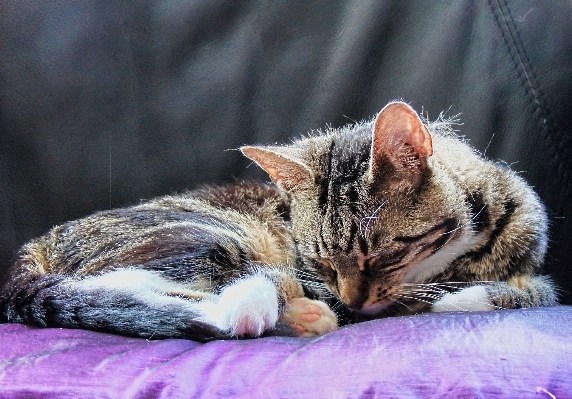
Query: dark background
[{"x": 104, "y": 103}]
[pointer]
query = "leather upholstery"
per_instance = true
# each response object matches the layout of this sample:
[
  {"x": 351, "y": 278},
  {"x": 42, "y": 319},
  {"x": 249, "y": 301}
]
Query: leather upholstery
[{"x": 106, "y": 103}]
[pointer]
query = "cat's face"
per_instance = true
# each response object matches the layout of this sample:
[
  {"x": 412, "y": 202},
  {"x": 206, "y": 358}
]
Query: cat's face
[{"x": 365, "y": 211}]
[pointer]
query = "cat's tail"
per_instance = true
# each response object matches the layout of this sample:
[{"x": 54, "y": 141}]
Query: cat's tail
[
  {"x": 130, "y": 302},
  {"x": 59, "y": 301}
]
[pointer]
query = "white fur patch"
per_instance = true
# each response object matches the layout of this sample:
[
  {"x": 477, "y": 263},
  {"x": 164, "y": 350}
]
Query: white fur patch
[
  {"x": 440, "y": 260},
  {"x": 473, "y": 298},
  {"x": 145, "y": 285},
  {"x": 138, "y": 281},
  {"x": 126, "y": 278},
  {"x": 247, "y": 307}
]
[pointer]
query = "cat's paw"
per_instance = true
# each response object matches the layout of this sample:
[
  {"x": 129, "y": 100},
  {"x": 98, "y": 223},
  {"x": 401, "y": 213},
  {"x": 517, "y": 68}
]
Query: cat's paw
[
  {"x": 246, "y": 308},
  {"x": 309, "y": 318},
  {"x": 473, "y": 298}
]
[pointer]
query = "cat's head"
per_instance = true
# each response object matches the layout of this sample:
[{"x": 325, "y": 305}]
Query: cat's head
[{"x": 366, "y": 209}]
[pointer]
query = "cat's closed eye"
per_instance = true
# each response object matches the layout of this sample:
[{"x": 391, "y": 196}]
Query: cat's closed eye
[
  {"x": 326, "y": 263},
  {"x": 328, "y": 270},
  {"x": 387, "y": 258}
]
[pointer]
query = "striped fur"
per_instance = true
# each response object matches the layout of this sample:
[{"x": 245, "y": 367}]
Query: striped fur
[
  {"x": 385, "y": 217},
  {"x": 396, "y": 215},
  {"x": 210, "y": 264}
]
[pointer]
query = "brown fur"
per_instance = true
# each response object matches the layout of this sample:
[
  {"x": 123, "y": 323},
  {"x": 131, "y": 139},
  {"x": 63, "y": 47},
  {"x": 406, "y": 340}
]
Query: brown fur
[
  {"x": 379, "y": 218},
  {"x": 379, "y": 207},
  {"x": 194, "y": 245}
]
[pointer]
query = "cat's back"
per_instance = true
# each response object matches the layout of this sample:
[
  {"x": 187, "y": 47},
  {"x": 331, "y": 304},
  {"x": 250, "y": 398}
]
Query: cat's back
[
  {"x": 494, "y": 181},
  {"x": 195, "y": 224}
]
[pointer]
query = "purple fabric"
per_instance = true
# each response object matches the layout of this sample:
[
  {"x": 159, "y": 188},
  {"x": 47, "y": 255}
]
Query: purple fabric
[{"x": 516, "y": 353}]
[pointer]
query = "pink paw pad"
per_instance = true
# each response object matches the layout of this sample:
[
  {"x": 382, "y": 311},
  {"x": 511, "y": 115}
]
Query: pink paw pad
[
  {"x": 309, "y": 318},
  {"x": 311, "y": 313}
]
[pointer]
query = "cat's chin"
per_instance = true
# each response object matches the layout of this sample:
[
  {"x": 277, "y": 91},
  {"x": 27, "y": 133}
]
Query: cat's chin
[{"x": 374, "y": 309}]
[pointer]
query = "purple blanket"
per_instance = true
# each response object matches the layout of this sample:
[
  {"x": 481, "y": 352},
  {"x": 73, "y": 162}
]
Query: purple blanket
[{"x": 516, "y": 353}]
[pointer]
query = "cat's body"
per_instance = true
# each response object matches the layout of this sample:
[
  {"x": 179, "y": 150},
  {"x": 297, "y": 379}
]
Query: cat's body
[
  {"x": 410, "y": 217},
  {"x": 390, "y": 218},
  {"x": 208, "y": 264}
]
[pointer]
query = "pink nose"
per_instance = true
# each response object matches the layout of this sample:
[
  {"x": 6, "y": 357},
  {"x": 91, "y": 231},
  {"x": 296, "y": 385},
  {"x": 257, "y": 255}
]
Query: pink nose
[{"x": 356, "y": 303}]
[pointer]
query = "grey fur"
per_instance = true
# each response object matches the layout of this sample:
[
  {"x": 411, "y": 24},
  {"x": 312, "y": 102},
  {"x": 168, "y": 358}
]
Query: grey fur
[
  {"x": 351, "y": 204},
  {"x": 385, "y": 217}
]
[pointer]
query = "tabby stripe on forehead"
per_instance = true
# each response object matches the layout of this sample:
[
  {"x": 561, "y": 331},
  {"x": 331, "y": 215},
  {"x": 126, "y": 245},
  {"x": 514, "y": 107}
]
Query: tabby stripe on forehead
[
  {"x": 363, "y": 247},
  {"x": 354, "y": 236},
  {"x": 324, "y": 196},
  {"x": 351, "y": 239}
]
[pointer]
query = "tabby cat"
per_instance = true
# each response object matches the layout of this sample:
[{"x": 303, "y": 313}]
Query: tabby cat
[{"x": 385, "y": 217}]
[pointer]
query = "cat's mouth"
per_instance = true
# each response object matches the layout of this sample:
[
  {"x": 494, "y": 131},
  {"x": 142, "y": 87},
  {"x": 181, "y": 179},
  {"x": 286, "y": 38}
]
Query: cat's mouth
[{"x": 374, "y": 308}]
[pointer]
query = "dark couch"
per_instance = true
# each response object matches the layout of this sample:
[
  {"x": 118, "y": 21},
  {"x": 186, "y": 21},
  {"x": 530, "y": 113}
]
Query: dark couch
[{"x": 104, "y": 103}]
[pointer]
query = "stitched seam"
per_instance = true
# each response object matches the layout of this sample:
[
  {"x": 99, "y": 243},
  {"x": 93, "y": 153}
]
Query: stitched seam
[{"x": 542, "y": 113}]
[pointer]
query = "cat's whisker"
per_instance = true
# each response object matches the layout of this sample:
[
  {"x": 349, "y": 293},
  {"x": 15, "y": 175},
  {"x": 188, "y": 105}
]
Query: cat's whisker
[
  {"x": 326, "y": 294},
  {"x": 430, "y": 288},
  {"x": 426, "y": 291},
  {"x": 436, "y": 304},
  {"x": 419, "y": 292},
  {"x": 448, "y": 238},
  {"x": 403, "y": 304},
  {"x": 338, "y": 306},
  {"x": 415, "y": 299},
  {"x": 440, "y": 283},
  {"x": 307, "y": 274},
  {"x": 369, "y": 219},
  {"x": 318, "y": 286},
  {"x": 434, "y": 291},
  {"x": 424, "y": 295},
  {"x": 312, "y": 279}
]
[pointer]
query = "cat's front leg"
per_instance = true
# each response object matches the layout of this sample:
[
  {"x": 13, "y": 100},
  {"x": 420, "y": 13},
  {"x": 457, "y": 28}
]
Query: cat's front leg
[
  {"x": 518, "y": 292},
  {"x": 248, "y": 307},
  {"x": 473, "y": 298}
]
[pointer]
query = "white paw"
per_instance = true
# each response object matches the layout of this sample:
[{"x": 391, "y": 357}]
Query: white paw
[
  {"x": 473, "y": 298},
  {"x": 246, "y": 308},
  {"x": 309, "y": 318}
]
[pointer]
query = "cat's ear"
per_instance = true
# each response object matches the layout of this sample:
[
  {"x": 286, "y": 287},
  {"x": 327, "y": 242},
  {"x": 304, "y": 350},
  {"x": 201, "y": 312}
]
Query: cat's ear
[
  {"x": 283, "y": 167},
  {"x": 400, "y": 138}
]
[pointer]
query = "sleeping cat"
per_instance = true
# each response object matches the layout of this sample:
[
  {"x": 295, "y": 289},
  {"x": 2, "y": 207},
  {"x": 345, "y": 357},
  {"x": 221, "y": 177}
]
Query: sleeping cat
[
  {"x": 393, "y": 214},
  {"x": 209, "y": 264},
  {"x": 379, "y": 218}
]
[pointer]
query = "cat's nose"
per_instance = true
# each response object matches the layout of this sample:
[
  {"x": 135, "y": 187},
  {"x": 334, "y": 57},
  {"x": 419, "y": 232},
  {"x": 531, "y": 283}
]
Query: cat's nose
[
  {"x": 356, "y": 303},
  {"x": 353, "y": 292}
]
